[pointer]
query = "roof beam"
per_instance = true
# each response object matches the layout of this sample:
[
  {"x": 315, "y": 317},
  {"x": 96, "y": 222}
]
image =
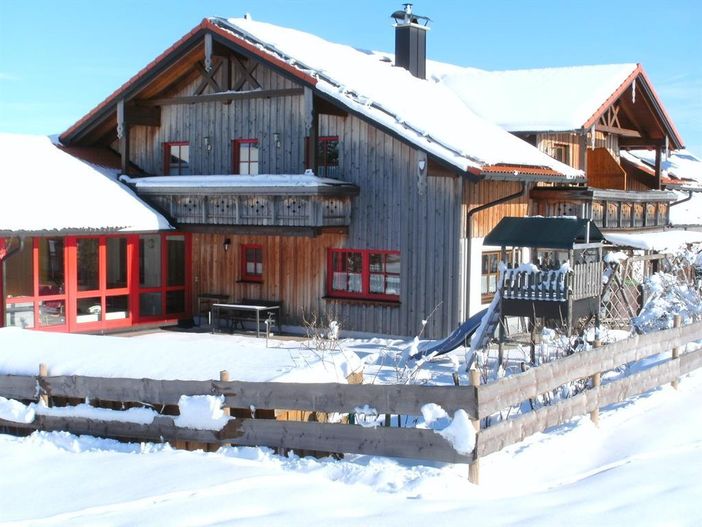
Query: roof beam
[
  {"x": 222, "y": 97},
  {"x": 617, "y": 130}
]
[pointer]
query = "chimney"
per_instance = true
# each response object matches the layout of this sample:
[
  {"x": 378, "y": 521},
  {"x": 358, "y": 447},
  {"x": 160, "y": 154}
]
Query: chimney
[{"x": 411, "y": 41}]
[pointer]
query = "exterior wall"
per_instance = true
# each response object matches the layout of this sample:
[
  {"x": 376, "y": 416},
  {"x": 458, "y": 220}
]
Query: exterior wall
[
  {"x": 257, "y": 118},
  {"x": 294, "y": 270},
  {"x": 475, "y": 194},
  {"x": 546, "y": 141}
]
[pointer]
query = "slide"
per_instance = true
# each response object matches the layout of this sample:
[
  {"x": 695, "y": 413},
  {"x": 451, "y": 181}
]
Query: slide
[{"x": 455, "y": 339}]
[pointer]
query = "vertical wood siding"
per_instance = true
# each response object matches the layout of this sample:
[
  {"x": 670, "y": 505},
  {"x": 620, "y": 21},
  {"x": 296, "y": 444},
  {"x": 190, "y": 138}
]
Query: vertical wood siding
[{"x": 476, "y": 194}]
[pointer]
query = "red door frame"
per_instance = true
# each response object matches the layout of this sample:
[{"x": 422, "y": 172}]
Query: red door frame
[{"x": 70, "y": 294}]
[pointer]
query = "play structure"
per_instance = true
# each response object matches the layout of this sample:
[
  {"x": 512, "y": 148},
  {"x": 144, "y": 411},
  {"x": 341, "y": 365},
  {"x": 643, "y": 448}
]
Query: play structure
[{"x": 560, "y": 285}]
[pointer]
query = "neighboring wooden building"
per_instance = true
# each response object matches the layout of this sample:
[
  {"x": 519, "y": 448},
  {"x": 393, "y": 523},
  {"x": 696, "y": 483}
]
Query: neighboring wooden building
[
  {"x": 588, "y": 117},
  {"x": 222, "y": 127}
]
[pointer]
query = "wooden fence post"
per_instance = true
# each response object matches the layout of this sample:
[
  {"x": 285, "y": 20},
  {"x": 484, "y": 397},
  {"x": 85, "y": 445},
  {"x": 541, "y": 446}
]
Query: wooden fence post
[
  {"x": 596, "y": 381},
  {"x": 677, "y": 322},
  {"x": 43, "y": 372},
  {"x": 474, "y": 467},
  {"x": 224, "y": 377}
]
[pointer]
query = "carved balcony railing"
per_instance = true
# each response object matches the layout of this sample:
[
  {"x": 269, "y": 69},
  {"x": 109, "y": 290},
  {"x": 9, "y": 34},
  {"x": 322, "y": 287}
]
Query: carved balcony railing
[
  {"x": 608, "y": 209},
  {"x": 255, "y": 201}
]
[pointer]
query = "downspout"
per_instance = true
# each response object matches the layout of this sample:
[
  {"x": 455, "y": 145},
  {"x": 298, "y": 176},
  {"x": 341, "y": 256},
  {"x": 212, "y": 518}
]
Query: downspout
[
  {"x": 469, "y": 232},
  {"x": 688, "y": 198},
  {"x": 3, "y": 280}
]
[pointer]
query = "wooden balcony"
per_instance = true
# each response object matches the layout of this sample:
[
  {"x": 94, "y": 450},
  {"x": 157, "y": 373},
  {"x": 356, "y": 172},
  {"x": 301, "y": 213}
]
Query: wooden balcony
[
  {"x": 608, "y": 209},
  {"x": 250, "y": 201},
  {"x": 583, "y": 281}
]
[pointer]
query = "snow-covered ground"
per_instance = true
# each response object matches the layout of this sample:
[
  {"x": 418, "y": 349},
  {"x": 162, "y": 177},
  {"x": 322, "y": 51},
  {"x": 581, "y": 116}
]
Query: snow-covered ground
[
  {"x": 640, "y": 467},
  {"x": 171, "y": 355}
]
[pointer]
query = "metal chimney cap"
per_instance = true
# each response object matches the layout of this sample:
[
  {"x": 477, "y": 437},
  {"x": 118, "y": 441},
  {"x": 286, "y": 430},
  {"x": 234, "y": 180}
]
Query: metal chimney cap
[{"x": 405, "y": 16}]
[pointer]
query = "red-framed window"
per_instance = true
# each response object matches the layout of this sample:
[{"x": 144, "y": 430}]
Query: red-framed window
[
  {"x": 245, "y": 158},
  {"x": 327, "y": 155},
  {"x": 251, "y": 262},
  {"x": 370, "y": 274},
  {"x": 88, "y": 283},
  {"x": 164, "y": 276},
  {"x": 176, "y": 158}
]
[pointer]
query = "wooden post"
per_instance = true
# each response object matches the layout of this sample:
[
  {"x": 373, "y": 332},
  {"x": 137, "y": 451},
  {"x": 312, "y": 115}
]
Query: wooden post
[
  {"x": 44, "y": 372},
  {"x": 677, "y": 322},
  {"x": 596, "y": 381},
  {"x": 474, "y": 467},
  {"x": 224, "y": 377}
]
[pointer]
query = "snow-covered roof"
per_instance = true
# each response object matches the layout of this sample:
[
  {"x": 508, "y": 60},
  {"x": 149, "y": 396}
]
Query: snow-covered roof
[
  {"x": 278, "y": 183},
  {"x": 682, "y": 165},
  {"x": 662, "y": 241},
  {"x": 535, "y": 100},
  {"x": 426, "y": 113},
  {"x": 45, "y": 189}
]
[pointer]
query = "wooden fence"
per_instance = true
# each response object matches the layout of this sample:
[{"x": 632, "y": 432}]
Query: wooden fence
[{"x": 478, "y": 401}]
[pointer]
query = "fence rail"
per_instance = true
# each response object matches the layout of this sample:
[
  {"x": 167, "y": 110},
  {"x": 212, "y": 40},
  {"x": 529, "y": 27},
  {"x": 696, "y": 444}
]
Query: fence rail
[{"x": 478, "y": 401}]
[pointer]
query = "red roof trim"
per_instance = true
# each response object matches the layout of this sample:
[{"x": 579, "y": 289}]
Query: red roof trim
[
  {"x": 520, "y": 169},
  {"x": 230, "y": 36},
  {"x": 205, "y": 25},
  {"x": 620, "y": 90},
  {"x": 617, "y": 93}
]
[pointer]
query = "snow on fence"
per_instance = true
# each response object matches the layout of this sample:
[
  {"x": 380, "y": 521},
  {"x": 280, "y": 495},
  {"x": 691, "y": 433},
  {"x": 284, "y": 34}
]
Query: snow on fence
[{"x": 478, "y": 402}]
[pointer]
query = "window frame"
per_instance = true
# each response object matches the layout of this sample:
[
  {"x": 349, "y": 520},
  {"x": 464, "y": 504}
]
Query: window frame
[
  {"x": 513, "y": 255},
  {"x": 556, "y": 148},
  {"x": 236, "y": 156},
  {"x": 322, "y": 163},
  {"x": 365, "y": 293},
  {"x": 167, "y": 156},
  {"x": 245, "y": 275}
]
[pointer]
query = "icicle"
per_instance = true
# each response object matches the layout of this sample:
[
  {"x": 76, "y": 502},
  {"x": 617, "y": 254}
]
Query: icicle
[{"x": 633, "y": 92}]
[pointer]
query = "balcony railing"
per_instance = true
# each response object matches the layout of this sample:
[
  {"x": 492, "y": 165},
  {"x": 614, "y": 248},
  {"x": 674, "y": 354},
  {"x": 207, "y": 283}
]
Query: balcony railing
[
  {"x": 582, "y": 281},
  {"x": 270, "y": 201},
  {"x": 608, "y": 209}
]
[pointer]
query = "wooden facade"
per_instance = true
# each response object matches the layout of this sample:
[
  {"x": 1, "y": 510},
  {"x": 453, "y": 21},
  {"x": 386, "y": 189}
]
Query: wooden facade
[{"x": 399, "y": 208}]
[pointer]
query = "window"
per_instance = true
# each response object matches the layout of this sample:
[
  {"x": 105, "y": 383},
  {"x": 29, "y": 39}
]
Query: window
[
  {"x": 370, "y": 274},
  {"x": 488, "y": 276},
  {"x": 327, "y": 156},
  {"x": 489, "y": 272},
  {"x": 245, "y": 157},
  {"x": 176, "y": 159},
  {"x": 163, "y": 275},
  {"x": 561, "y": 153},
  {"x": 252, "y": 262}
]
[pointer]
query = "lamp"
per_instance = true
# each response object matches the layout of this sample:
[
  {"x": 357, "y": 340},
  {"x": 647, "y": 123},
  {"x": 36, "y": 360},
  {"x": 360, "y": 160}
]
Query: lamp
[
  {"x": 276, "y": 139},
  {"x": 227, "y": 243},
  {"x": 208, "y": 145}
]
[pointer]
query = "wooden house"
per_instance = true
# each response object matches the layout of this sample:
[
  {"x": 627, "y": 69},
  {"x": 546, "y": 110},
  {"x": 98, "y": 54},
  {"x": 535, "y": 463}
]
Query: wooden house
[
  {"x": 217, "y": 133},
  {"x": 331, "y": 180}
]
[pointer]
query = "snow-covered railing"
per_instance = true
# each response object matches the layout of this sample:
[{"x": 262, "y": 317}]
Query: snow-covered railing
[{"x": 528, "y": 282}]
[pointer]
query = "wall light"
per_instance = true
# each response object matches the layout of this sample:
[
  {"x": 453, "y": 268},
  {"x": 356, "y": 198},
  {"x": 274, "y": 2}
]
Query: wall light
[
  {"x": 208, "y": 145},
  {"x": 227, "y": 243},
  {"x": 276, "y": 139}
]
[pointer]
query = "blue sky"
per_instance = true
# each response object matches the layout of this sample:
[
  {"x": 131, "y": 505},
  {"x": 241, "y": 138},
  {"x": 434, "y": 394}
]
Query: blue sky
[{"x": 58, "y": 59}]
